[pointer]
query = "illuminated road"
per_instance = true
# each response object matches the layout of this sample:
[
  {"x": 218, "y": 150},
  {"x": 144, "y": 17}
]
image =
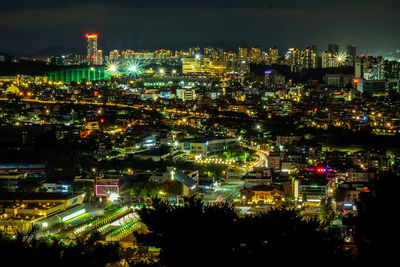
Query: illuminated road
[
  {"x": 261, "y": 158},
  {"x": 112, "y": 104},
  {"x": 225, "y": 193}
]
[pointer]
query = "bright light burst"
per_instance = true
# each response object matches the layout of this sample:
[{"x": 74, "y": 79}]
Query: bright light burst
[
  {"x": 133, "y": 66},
  {"x": 258, "y": 127},
  {"x": 340, "y": 59},
  {"x": 112, "y": 66}
]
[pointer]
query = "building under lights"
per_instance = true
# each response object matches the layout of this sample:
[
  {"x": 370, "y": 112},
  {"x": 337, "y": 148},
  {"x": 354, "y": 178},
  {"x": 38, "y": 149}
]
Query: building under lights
[
  {"x": 99, "y": 57},
  {"x": 180, "y": 81},
  {"x": 205, "y": 146},
  {"x": 22, "y": 211},
  {"x": 273, "y": 55},
  {"x": 73, "y": 74},
  {"x": 91, "y": 47}
]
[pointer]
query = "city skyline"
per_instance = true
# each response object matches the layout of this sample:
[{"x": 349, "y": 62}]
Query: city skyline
[
  {"x": 199, "y": 133},
  {"x": 155, "y": 24}
]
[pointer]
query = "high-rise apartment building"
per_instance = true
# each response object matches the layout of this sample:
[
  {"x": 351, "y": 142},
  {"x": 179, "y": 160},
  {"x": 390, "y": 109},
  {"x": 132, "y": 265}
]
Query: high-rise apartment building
[
  {"x": 375, "y": 72},
  {"x": 208, "y": 50},
  {"x": 162, "y": 54},
  {"x": 229, "y": 56},
  {"x": 91, "y": 47},
  {"x": 99, "y": 57},
  {"x": 328, "y": 59},
  {"x": 273, "y": 55},
  {"x": 114, "y": 55},
  {"x": 295, "y": 59},
  {"x": 242, "y": 52},
  {"x": 364, "y": 65},
  {"x": 391, "y": 69},
  {"x": 193, "y": 51},
  {"x": 127, "y": 54},
  {"x": 351, "y": 54},
  {"x": 310, "y": 57},
  {"x": 219, "y": 54},
  {"x": 255, "y": 54}
]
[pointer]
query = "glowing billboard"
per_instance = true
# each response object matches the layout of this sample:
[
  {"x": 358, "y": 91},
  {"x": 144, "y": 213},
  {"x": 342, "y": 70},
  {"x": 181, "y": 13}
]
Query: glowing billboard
[{"x": 103, "y": 190}]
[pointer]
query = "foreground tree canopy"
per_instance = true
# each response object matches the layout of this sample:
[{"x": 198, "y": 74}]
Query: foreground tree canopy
[
  {"x": 27, "y": 250},
  {"x": 214, "y": 235}
]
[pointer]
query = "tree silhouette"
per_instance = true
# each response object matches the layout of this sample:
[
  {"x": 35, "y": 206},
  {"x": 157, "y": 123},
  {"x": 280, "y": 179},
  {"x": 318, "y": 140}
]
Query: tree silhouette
[
  {"x": 375, "y": 224},
  {"x": 327, "y": 214},
  {"x": 27, "y": 250},
  {"x": 214, "y": 235}
]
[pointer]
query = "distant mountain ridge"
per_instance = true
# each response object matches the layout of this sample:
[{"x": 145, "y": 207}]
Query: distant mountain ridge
[
  {"x": 7, "y": 52},
  {"x": 59, "y": 50},
  {"x": 46, "y": 52}
]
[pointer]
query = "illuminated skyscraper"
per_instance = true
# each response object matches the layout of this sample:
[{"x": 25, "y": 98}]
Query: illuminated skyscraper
[
  {"x": 208, "y": 50},
  {"x": 310, "y": 57},
  {"x": 255, "y": 54},
  {"x": 242, "y": 52},
  {"x": 127, "y": 54},
  {"x": 273, "y": 55},
  {"x": 193, "y": 51},
  {"x": 91, "y": 48},
  {"x": 99, "y": 57},
  {"x": 351, "y": 55},
  {"x": 114, "y": 55},
  {"x": 296, "y": 59},
  {"x": 328, "y": 60}
]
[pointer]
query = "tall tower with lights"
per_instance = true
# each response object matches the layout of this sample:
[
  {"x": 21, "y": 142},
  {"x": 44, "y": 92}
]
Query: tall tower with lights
[{"x": 91, "y": 48}]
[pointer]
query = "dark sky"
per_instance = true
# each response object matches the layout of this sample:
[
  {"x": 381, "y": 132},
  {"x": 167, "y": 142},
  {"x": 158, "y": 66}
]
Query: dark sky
[{"x": 28, "y": 26}]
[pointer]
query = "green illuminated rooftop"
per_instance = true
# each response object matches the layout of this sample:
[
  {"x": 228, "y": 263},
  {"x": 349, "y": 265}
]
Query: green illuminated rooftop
[{"x": 79, "y": 74}]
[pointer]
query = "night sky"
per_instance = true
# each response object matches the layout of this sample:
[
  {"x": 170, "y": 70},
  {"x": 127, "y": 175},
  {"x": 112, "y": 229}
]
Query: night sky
[{"x": 28, "y": 26}]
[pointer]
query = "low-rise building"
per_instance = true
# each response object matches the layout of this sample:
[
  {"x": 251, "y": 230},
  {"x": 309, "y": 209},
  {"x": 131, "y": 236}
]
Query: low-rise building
[
  {"x": 19, "y": 212},
  {"x": 205, "y": 146},
  {"x": 359, "y": 176},
  {"x": 263, "y": 194}
]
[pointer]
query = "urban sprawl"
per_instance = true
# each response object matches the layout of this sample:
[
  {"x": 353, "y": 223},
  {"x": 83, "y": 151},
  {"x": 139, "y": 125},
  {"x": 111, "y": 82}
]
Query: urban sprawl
[{"x": 134, "y": 148}]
